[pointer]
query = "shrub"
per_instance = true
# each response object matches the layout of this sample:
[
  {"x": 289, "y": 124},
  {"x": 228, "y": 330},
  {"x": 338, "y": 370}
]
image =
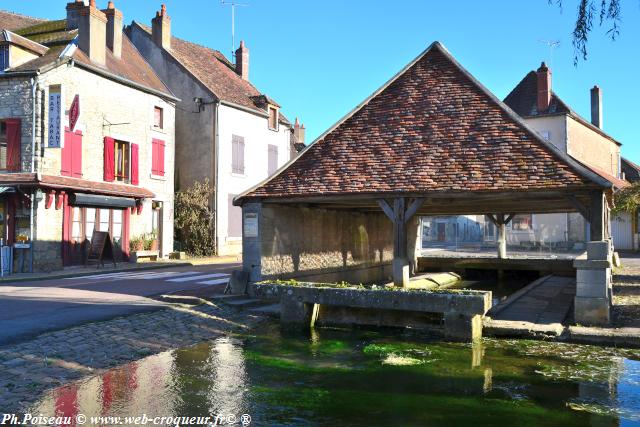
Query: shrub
[{"x": 193, "y": 220}]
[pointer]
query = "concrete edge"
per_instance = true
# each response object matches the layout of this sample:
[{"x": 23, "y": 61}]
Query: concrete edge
[
  {"x": 501, "y": 306},
  {"x": 11, "y": 279},
  {"x": 603, "y": 337}
]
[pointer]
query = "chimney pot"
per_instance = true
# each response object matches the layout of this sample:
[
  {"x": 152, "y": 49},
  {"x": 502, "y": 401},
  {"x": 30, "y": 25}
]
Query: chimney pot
[
  {"x": 242, "y": 61},
  {"x": 114, "y": 29},
  {"x": 298, "y": 131},
  {"x": 544, "y": 88},
  {"x": 92, "y": 33},
  {"x": 596, "y": 106},
  {"x": 161, "y": 28},
  {"x": 92, "y": 3}
]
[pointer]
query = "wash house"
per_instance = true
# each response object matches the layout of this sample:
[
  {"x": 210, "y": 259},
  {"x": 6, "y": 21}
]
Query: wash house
[{"x": 431, "y": 141}]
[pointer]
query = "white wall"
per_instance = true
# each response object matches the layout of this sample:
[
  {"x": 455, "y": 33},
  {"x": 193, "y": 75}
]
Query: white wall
[{"x": 257, "y": 138}]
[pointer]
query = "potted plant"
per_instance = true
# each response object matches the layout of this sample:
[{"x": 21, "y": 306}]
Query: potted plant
[
  {"x": 136, "y": 244},
  {"x": 151, "y": 242}
]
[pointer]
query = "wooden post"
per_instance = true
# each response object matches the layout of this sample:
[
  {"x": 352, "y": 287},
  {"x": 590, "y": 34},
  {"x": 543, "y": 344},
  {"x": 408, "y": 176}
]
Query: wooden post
[
  {"x": 501, "y": 221},
  {"x": 399, "y": 215}
]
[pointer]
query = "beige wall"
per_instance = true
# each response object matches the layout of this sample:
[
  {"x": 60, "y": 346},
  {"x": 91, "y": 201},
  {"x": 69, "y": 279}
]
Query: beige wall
[
  {"x": 103, "y": 113},
  {"x": 325, "y": 245},
  {"x": 19, "y": 56},
  {"x": 590, "y": 147},
  {"x": 554, "y": 125}
]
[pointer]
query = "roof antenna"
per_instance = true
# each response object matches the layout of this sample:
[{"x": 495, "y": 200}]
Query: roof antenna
[
  {"x": 233, "y": 5},
  {"x": 551, "y": 44}
]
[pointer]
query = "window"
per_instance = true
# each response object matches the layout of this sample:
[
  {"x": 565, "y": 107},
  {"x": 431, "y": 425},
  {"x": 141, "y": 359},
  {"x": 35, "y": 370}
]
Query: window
[
  {"x": 237, "y": 154},
  {"x": 76, "y": 225},
  {"x": 545, "y": 134},
  {"x": 10, "y": 137},
  {"x": 522, "y": 222},
  {"x": 4, "y": 57},
  {"x": 90, "y": 224},
  {"x": 121, "y": 161},
  {"x": 157, "y": 157},
  {"x": 158, "y": 117},
  {"x": 272, "y": 159},
  {"x": 273, "y": 118}
]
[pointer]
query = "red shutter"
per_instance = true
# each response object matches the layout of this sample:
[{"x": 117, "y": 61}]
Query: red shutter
[
  {"x": 76, "y": 155},
  {"x": 65, "y": 154},
  {"x": 109, "y": 161},
  {"x": 134, "y": 164},
  {"x": 13, "y": 144},
  {"x": 160, "y": 164},
  {"x": 154, "y": 156}
]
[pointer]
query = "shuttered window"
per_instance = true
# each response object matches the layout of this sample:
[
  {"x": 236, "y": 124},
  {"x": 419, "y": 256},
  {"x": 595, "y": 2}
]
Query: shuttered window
[
  {"x": 71, "y": 153},
  {"x": 134, "y": 164},
  {"x": 237, "y": 154},
  {"x": 4, "y": 57},
  {"x": 157, "y": 157},
  {"x": 109, "y": 162},
  {"x": 11, "y": 135},
  {"x": 272, "y": 159}
]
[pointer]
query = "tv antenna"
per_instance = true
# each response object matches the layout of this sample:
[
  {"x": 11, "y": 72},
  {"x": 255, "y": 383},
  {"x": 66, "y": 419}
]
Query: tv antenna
[
  {"x": 551, "y": 44},
  {"x": 233, "y": 4}
]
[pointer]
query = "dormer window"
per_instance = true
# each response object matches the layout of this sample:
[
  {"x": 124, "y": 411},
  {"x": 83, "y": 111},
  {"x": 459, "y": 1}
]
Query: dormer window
[
  {"x": 273, "y": 117},
  {"x": 4, "y": 57}
]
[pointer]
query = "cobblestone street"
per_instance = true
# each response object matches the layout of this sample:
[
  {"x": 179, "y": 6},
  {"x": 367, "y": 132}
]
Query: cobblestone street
[{"x": 52, "y": 359}]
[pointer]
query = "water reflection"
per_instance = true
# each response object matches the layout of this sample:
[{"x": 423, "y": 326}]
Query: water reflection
[{"x": 346, "y": 377}]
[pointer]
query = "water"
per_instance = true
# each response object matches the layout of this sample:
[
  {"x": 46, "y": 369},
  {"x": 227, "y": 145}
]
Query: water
[{"x": 366, "y": 378}]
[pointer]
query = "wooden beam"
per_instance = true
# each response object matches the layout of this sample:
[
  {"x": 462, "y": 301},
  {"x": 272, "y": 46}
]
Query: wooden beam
[
  {"x": 509, "y": 218},
  {"x": 413, "y": 208},
  {"x": 388, "y": 210},
  {"x": 493, "y": 219},
  {"x": 580, "y": 207}
]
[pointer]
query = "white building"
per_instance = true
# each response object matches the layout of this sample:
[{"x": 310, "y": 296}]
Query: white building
[{"x": 226, "y": 129}]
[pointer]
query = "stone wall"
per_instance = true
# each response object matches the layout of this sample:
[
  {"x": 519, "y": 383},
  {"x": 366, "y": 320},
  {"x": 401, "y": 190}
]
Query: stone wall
[
  {"x": 325, "y": 245},
  {"x": 16, "y": 103}
]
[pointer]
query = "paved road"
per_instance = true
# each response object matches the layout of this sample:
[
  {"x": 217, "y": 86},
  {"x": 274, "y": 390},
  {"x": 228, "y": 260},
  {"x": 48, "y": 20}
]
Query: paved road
[{"x": 30, "y": 308}]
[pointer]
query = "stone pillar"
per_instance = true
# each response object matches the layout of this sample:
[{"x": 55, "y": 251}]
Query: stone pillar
[
  {"x": 592, "y": 302},
  {"x": 297, "y": 314},
  {"x": 252, "y": 241},
  {"x": 462, "y": 327}
]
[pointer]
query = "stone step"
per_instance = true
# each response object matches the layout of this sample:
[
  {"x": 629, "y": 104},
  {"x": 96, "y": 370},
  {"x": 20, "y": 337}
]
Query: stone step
[
  {"x": 271, "y": 310},
  {"x": 243, "y": 302}
]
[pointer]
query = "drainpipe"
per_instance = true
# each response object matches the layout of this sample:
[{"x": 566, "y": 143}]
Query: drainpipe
[
  {"x": 216, "y": 163},
  {"x": 34, "y": 93}
]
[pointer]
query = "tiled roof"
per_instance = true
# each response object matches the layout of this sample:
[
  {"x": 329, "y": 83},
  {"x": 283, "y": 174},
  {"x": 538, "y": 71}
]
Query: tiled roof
[
  {"x": 53, "y": 34},
  {"x": 630, "y": 169},
  {"x": 11, "y": 37},
  {"x": 217, "y": 73},
  {"x": 432, "y": 128},
  {"x": 617, "y": 182},
  {"x": 523, "y": 99},
  {"x": 67, "y": 183},
  {"x": 12, "y": 21}
]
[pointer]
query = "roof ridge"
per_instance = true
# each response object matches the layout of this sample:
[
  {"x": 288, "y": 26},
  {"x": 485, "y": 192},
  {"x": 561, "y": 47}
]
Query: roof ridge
[{"x": 23, "y": 15}]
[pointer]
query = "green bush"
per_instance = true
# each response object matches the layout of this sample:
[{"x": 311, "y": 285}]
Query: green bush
[{"x": 193, "y": 222}]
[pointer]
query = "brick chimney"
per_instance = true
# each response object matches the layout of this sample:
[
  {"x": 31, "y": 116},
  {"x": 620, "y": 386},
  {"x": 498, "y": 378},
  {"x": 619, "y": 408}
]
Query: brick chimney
[
  {"x": 242, "y": 61},
  {"x": 544, "y": 88},
  {"x": 161, "y": 28},
  {"x": 298, "y": 131},
  {"x": 92, "y": 32},
  {"x": 73, "y": 14},
  {"x": 114, "y": 29},
  {"x": 596, "y": 106}
]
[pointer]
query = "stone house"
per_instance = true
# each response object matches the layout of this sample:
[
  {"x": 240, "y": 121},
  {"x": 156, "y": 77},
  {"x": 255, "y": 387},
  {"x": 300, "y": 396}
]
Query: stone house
[
  {"x": 87, "y": 136},
  {"x": 542, "y": 109},
  {"x": 227, "y": 131}
]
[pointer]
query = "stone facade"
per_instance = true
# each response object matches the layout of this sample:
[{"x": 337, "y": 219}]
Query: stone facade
[{"x": 108, "y": 108}]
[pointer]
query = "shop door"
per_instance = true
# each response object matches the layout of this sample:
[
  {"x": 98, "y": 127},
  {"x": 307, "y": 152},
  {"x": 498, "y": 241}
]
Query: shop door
[{"x": 77, "y": 244}]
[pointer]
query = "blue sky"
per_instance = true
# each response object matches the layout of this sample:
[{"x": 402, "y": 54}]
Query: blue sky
[{"x": 319, "y": 59}]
